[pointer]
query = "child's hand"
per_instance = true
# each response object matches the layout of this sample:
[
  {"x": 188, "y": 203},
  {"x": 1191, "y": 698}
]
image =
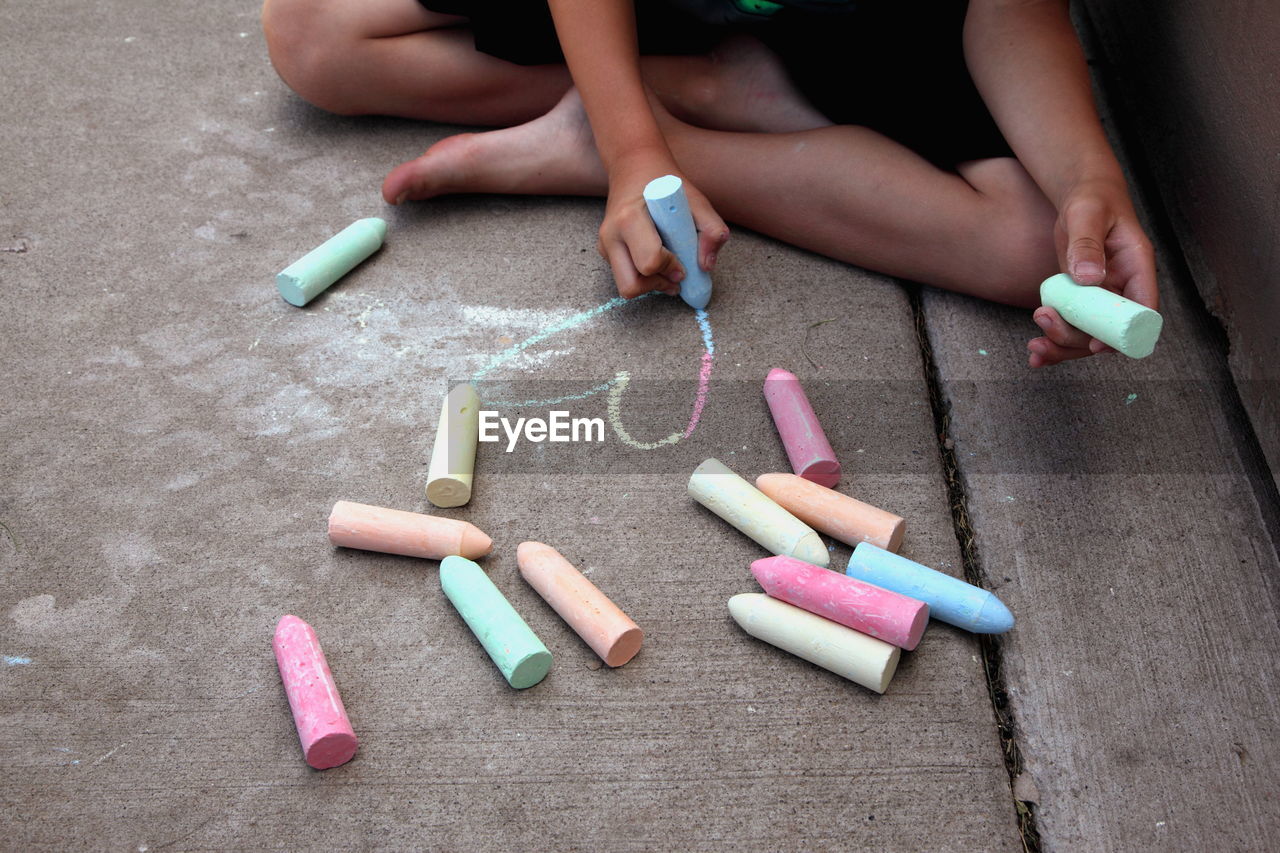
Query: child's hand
[
  {"x": 630, "y": 242},
  {"x": 1101, "y": 243}
]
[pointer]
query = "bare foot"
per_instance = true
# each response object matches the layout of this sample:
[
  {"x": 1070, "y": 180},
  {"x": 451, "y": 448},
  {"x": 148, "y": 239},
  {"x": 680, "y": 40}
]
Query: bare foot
[
  {"x": 551, "y": 155},
  {"x": 743, "y": 87}
]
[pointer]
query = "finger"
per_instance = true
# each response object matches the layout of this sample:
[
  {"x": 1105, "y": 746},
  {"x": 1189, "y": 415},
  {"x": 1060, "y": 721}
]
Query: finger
[
  {"x": 1087, "y": 224},
  {"x": 1059, "y": 330},
  {"x": 624, "y": 271},
  {"x": 1044, "y": 352},
  {"x": 712, "y": 232},
  {"x": 630, "y": 283},
  {"x": 1141, "y": 286},
  {"x": 659, "y": 263},
  {"x": 649, "y": 257}
]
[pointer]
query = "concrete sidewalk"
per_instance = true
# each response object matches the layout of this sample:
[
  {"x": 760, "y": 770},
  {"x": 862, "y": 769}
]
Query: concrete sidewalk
[{"x": 174, "y": 435}]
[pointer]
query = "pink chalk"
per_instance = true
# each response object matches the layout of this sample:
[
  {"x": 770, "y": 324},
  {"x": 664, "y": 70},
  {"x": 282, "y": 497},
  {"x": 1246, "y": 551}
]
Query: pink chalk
[
  {"x": 323, "y": 728},
  {"x": 807, "y": 447},
  {"x": 886, "y": 615}
]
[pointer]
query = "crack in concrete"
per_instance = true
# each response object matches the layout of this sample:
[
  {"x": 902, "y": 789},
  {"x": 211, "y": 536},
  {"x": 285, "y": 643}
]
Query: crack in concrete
[{"x": 989, "y": 644}]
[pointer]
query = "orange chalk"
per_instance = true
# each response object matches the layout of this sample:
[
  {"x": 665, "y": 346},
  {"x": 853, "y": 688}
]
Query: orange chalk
[
  {"x": 596, "y": 619},
  {"x": 840, "y": 516},
  {"x": 393, "y": 531}
]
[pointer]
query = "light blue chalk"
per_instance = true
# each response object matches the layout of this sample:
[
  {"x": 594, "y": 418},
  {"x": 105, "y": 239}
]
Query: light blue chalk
[
  {"x": 510, "y": 642},
  {"x": 310, "y": 275},
  {"x": 669, "y": 209},
  {"x": 950, "y": 599}
]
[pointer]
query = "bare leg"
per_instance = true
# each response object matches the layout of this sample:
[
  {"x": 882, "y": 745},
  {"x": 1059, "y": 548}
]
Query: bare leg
[
  {"x": 393, "y": 57},
  {"x": 845, "y": 192},
  {"x": 857, "y": 196}
]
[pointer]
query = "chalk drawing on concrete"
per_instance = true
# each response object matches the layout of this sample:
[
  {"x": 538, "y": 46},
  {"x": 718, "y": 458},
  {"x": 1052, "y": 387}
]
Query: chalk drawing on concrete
[{"x": 615, "y": 387}]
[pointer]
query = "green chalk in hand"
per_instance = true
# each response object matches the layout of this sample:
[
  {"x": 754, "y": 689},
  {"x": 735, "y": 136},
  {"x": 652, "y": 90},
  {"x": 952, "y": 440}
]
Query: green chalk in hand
[
  {"x": 310, "y": 275},
  {"x": 1117, "y": 322}
]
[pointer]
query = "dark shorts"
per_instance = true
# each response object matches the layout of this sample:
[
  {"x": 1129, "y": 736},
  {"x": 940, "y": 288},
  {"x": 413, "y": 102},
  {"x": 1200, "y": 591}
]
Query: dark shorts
[{"x": 895, "y": 66}]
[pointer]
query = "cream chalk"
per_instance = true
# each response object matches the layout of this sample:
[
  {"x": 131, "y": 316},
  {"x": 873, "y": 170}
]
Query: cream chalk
[
  {"x": 310, "y": 275},
  {"x": 323, "y": 728},
  {"x": 747, "y": 508},
  {"x": 453, "y": 457},
  {"x": 840, "y": 516},
  {"x": 607, "y": 630},
  {"x": 393, "y": 531},
  {"x": 807, "y": 447},
  {"x": 861, "y": 659}
]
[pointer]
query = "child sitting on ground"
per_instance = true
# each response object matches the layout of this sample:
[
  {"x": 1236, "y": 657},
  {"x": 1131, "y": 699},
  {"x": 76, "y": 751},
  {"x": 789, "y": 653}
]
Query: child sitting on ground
[{"x": 951, "y": 143}]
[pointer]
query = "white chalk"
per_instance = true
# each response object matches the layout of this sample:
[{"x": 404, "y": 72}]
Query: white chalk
[
  {"x": 857, "y": 657},
  {"x": 453, "y": 458},
  {"x": 669, "y": 209},
  {"x": 750, "y": 510}
]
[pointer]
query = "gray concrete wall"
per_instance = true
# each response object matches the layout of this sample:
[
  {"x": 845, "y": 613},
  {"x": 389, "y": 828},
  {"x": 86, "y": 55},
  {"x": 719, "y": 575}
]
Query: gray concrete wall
[{"x": 1200, "y": 83}]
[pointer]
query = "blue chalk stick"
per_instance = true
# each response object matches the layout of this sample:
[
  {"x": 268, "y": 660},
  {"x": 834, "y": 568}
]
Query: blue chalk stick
[
  {"x": 669, "y": 209},
  {"x": 950, "y": 599}
]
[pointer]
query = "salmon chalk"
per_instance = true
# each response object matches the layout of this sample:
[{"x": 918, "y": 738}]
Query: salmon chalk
[
  {"x": 394, "y": 531},
  {"x": 609, "y": 632},
  {"x": 839, "y": 516}
]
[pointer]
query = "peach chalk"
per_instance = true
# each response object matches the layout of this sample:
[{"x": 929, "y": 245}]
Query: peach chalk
[
  {"x": 394, "y": 531},
  {"x": 807, "y": 446},
  {"x": 876, "y": 612},
  {"x": 606, "y": 629},
  {"x": 323, "y": 728},
  {"x": 840, "y": 516}
]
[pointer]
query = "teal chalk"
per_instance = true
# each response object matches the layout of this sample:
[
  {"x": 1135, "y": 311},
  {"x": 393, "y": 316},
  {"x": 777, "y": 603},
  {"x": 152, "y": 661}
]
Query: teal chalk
[
  {"x": 1116, "y": 321},
  {"x": 516, "y": 650},
  {"x": 950, "y": 599},
  {"x": 758, "y": 7},
  {"x": 310, "y": 275},
  {"x": 669, "y": 208}
]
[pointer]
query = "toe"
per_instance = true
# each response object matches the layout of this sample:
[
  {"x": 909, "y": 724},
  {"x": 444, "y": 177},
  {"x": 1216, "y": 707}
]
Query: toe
[{"x": 397, "y": 186}]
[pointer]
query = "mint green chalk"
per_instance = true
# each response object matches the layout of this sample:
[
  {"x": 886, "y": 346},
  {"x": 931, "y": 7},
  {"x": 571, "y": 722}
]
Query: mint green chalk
[
  {"x": 1109, "y": 317},
  {"x": 310, "y": 275},
  {"x": 758, "y": 7},
  {"x": 517, "y": 651}
]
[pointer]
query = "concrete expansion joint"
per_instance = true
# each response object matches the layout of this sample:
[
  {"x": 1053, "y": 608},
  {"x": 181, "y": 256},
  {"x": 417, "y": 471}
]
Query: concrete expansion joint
[{"x": 990, "y": 645}]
